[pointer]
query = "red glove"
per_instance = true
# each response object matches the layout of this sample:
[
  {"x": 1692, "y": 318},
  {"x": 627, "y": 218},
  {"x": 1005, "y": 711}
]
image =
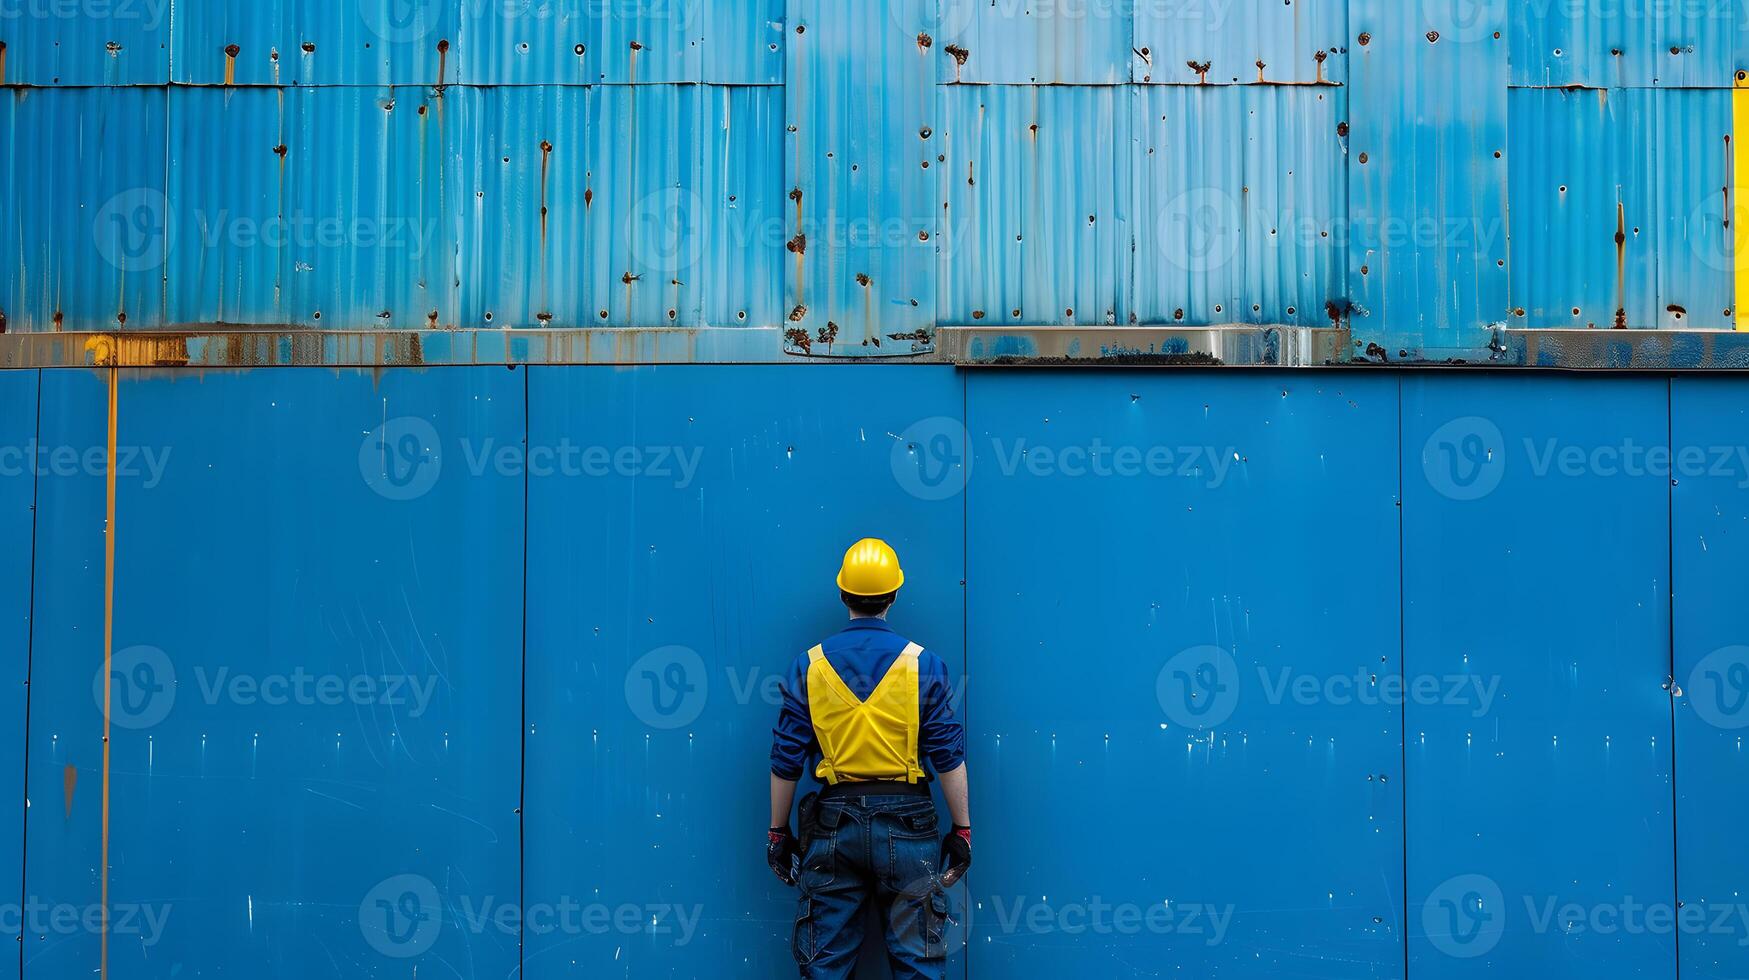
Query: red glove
[{"x": 781, "y": 851}]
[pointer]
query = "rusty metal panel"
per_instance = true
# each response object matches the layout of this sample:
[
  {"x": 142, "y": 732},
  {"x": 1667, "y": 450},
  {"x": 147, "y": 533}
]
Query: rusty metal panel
[
  {"x": 549, "y": 42},
  {"x": 84, "y": 209},
  {"x": 320, "y": 207},
  {"x": 300, "y": 42},
  {"x": 1034, "y": 223},
  {"x": 1427, "y": 176},
  {"x": 1618, "y": 208},
  {"x": 861, "y": 169},
  {"x": 1035, "y": 41},
  {"x": 1240, "y": 42},
  {"x": 1240, "y": 200},
  {"x": 1626, "y": 45},
  {"x": 686, "y": 223},
  {"x": 104, "y": 42}
]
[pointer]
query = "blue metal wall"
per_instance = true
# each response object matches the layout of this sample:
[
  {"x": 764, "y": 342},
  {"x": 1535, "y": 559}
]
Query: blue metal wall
[
  {"x": 852, "y": 176},
  {"x": 1334, "y": 674}
]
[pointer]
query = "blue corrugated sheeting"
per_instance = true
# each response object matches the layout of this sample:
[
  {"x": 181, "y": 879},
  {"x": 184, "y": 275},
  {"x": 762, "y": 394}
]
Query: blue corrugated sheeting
[
  {"x": 1035, "y": 204},
  {"x": 1650, "y": 164},
  {"x": 590, "y": 580},
  {"x": 1395, "y": 166}
]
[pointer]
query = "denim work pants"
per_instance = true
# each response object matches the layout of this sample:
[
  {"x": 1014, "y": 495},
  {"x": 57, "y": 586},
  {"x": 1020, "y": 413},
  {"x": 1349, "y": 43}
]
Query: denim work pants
[{"x": 880, "y": 849}]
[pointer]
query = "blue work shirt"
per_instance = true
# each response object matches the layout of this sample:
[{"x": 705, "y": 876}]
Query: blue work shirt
[{"x": 862, "y": 653}]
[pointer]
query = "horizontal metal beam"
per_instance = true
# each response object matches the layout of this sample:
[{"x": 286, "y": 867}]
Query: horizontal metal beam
[{"x": 1235, "y": 346}]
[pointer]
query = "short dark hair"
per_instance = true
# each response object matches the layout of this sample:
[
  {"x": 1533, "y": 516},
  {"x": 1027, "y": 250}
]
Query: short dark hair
[{"x": 868, "y": 605}]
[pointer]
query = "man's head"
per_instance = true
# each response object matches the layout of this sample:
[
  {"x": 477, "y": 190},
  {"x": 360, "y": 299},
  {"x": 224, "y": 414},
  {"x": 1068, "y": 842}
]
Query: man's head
[{"x": 870, "y": 578}]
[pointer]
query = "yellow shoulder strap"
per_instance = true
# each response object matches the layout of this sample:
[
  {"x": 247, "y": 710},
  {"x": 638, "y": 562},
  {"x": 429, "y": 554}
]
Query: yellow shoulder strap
[
  {"x": 816, "y": 662},
  {"x": 908, "y": 662}
]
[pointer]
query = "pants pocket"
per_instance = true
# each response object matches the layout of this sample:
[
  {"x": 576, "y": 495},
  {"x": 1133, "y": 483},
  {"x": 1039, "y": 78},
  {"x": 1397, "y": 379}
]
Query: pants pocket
[
  {"x": 935, "y": 919},
  {"x": 803, "y": 943}
]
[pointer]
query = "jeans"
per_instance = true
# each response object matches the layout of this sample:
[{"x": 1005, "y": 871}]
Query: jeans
[{"x": 882, "y": 849}]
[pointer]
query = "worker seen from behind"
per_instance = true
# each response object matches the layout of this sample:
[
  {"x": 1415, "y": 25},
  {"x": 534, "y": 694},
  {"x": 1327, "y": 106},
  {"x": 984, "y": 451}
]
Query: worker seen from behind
[{"x": 872, "y": 708}]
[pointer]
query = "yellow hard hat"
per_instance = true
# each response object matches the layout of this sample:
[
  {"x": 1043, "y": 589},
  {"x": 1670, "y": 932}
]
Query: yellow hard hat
[{"x": 871, "y": 568}]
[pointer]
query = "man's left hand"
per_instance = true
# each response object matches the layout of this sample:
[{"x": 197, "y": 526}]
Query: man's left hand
[{"x": 956, "y": 855}]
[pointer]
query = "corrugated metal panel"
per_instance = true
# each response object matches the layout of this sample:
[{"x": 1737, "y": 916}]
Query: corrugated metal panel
[
  {"x": 104, "y": 42},
  {"x": 1034, "y": 223},
  {"x": 308, "y": 42},
  {"x": 1086, "y": 42},
  {"x": 686, "y": 220},
  {"x": 1185, "y": 41},
  {"x": 1614, "y": 45},
  {"x": 316, "y": 207},
  {"x": 1240, "y": 200},
  {"x": 1618, "y": 204},
  {"x": 84, "y": 208},
  {"x": 1427, "y": 174},
  {"x": 861, "y": 168}
]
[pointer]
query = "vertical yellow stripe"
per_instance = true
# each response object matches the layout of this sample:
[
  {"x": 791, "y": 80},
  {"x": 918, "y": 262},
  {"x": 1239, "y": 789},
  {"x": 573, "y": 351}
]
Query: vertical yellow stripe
[
  {"x": 108, "y": 660},
  {"x": 1734, "y": 212}
]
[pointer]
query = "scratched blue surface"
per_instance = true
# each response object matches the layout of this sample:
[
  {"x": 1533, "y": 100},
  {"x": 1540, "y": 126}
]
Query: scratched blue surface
[
  {"x": 1710, "y": 546},
  {"x": 655, "y": 634},
  {"x": 1131, "y": 590},
  {"x": 18, "y": 394},
  {"x": 1523, "y": 569},
  {"x": 265, "y": 525},
  {"x": 266, "y": 816}
]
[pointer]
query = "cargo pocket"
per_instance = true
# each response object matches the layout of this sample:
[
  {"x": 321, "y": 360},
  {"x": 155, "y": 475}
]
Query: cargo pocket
[
  {"x": 935, "y": 919},
  {"x": 802, "y": 941}
]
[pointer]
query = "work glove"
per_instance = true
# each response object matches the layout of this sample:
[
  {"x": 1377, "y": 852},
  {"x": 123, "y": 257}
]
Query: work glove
[
  {"x": 782, "y": 850},
  {"x": 956, "y": 855}
]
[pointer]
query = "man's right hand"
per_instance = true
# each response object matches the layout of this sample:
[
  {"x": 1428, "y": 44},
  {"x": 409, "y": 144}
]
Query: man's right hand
[{"x": 781, "y": 852}]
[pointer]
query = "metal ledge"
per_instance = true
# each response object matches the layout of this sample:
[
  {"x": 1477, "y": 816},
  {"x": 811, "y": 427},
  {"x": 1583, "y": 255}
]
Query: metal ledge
[
  {"x": 228, "y": 347},
  {"x": 1235, "y": 346}
]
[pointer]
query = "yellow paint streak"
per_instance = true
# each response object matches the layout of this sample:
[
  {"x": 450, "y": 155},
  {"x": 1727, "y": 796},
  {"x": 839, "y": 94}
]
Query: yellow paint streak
[
  {"x": 1739, "y": 186},
  {"x": 108, "y": 662}
]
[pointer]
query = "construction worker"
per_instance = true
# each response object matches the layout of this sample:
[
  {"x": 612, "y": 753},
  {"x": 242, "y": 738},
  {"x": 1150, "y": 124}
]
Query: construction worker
[{"x": 872, "y": 708}]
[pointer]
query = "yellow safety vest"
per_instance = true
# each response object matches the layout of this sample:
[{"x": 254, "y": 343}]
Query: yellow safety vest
[{"x": 866, "y": 740}]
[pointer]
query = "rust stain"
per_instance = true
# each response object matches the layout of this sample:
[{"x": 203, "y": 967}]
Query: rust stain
[
  {"x": 960, "y": 56},
  {"x": 442, "y": 62},
  {"x": 1621, "y": 261},
  {"x": 231, "y": 52},
  {"x": 69, "y": 779},
  {"x": 1201, "y": 69},
  {"x": 2, "y": 62}
]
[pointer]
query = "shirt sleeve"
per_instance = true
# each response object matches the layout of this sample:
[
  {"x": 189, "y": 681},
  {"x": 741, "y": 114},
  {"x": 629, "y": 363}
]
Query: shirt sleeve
[
  {"x": 792, "y": 740},
  {"x": 942, "y": 739}
]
